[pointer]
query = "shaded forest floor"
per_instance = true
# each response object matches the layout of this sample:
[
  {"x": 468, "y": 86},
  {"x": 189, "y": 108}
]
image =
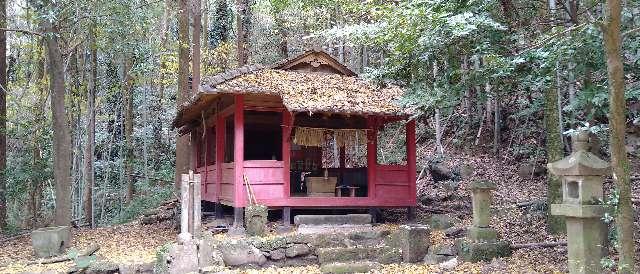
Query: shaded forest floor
[{"x": 135, "y": 243}]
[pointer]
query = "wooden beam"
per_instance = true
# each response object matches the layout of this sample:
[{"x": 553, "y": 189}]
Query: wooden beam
[
  {"x": 287, "y": 126},
  {"x": 411, "y": 158},
  {"x": 238, "y": 152},
  {"x": 372, "y": 155},
  {"x": 220, "y": 137}
]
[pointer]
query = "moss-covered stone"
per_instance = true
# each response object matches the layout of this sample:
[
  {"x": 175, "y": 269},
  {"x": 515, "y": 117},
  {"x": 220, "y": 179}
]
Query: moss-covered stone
[
  {"x": 475, "y": 252},
  {"x": 256, "y": 219}
]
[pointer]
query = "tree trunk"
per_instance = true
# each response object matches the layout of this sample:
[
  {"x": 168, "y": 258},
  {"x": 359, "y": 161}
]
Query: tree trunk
[
  {"x": 89, "y": 176},
  {"x": 128, "y": 128},
  {"x": 61, "y": 131},
  {"x": 617, "y": 123},
  {"x": 496, "y": 125},
  {"x": 244, "y": 25},
  {"x": 197, "y": 28},
  {"x": 205, "y": 23},
  {"x": 555, "y": 224},
  {"x": 3, "y": 113},
  {"x": 283, "y": 46},
  {"x": 182, "y": 144}
]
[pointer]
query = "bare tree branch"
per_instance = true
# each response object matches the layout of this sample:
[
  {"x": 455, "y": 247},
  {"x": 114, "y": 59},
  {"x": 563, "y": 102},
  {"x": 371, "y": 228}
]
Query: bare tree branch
[{"x": 23, "y": 31}]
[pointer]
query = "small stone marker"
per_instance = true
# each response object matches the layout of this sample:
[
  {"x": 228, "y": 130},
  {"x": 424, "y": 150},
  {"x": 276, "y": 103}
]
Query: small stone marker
[
  {"x": 50, "y": 241},
  {"x": 482, "y": 241},
  {"x": 255, "y": 219},
  {"x": 414, "y": 242},
  {"x": 582, "y": 175}
]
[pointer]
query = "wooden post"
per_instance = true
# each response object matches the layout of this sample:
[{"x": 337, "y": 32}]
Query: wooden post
[
  {"x": 411, "y": 158},
  {"x": 238, "y": 153},
  {"x": 287, "y": 127},
  {"x": 372, "y": 156},
  {"x": 220, "y": 134}
]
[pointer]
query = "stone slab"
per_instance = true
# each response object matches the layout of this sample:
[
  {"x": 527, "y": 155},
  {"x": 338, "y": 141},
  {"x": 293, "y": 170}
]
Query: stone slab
[
  {"x": 384, "y": 255},
  {"x": 313, "y": 229},
  {"x": 578, "y": 211},
  {"x": 348, "y": 219},
  {"x": 350, "y": 267}
]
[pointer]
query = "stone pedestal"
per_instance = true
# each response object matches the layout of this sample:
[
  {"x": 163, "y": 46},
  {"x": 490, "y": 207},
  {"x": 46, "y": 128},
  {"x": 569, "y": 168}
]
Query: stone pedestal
[
  {"x": 582, "y": 175},
  {"x": 482, "y": 242},
  {"x": 256, "y": 219},
  {"x": 50, "y": 241},
  {"x": 414, "y": 240}
]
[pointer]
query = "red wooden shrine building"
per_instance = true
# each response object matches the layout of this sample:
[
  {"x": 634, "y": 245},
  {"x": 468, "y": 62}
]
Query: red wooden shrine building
[{"x": 305, "y": 133}]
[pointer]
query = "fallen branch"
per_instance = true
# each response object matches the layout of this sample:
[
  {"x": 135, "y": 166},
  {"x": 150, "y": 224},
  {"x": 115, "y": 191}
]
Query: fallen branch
[
  {"x": 151, "y": 178},
  {"x": 63, "y": 258},
  {"x": 538, "y": 245},
  {"x": 6, "y": 239}
]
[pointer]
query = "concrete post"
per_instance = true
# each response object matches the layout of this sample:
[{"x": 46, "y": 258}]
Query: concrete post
[
  {"x": 184, "y": 235},
  {"x": 195, "y": 183},
  {"x": 582, "y": 175}
]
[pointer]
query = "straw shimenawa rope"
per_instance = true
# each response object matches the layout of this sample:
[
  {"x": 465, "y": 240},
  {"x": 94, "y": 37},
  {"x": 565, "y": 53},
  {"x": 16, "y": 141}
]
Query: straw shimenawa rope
[{"x": 315, "y": 137}]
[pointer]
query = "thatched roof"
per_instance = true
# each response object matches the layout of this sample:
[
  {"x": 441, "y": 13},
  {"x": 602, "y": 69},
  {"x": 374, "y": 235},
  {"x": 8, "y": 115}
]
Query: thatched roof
[{"x": 339, "y": 91}]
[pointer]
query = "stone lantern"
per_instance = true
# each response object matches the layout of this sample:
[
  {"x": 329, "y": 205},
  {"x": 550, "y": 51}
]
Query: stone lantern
[{"x": 582, "y": 174}]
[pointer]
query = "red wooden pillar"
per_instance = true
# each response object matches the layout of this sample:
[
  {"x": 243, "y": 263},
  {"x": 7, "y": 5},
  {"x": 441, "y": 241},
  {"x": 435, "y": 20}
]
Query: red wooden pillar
[
  {"x": 220, "y": 134},
  {"x": 411, "y": 159},
  {"x": 287, "y": 127},
  {"x": 372, "y": 155},
  {"x": 238, "y": 151}
]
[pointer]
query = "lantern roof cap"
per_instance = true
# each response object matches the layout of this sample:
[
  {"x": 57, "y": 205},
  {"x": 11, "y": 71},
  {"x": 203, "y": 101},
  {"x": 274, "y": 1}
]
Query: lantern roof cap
[{"x": 581, "y": 162}]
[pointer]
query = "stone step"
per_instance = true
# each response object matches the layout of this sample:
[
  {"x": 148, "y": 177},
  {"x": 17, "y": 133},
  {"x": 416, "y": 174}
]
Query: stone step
[
  {"x": 348, "y": 219},
  {"x": 349, "y": 267},
  {"x": 380, "y": 254}
]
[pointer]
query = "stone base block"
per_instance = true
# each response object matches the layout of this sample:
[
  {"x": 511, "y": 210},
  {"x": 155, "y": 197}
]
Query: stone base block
[
  {"x": 475, "y": 252},
  {"x": 482, "y": 234},
  {"x": 50, "y": 241},
  {"x": 255, "y": 217},
  {"x": 350, "y": 267},
  {"x": 349, "y": 219}
]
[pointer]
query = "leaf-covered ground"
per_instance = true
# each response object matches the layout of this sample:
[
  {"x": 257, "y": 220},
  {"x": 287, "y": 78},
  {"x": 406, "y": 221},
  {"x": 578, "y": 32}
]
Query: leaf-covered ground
[
  {"x": 135, "y": 243},
  {"x": 122, "y": 244}
]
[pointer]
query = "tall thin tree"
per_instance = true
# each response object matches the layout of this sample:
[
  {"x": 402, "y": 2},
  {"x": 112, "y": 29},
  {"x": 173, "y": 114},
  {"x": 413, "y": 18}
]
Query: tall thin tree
[
  {"x": 3, "y": 113},
  {"x": 617, "y": 123},
  {"x": 61, "y": 130},
  {"x": 182, "y": 144},
  {"x": 243, "y": 18},
  {"x": 89, "y": 174}
]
